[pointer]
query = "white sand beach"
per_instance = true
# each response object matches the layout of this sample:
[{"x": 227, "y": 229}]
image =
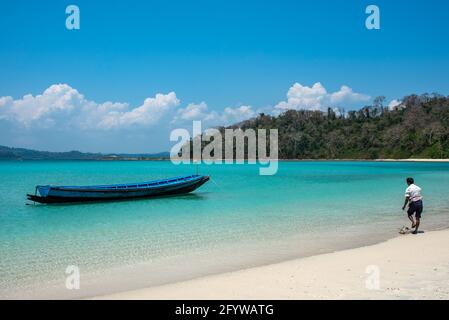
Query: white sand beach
[{"x": 408, "y": 267}]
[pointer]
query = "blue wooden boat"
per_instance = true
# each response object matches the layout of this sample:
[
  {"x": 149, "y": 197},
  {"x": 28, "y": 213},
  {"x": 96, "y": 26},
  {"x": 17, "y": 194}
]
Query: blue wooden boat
[{"x": 59, "y": 194}]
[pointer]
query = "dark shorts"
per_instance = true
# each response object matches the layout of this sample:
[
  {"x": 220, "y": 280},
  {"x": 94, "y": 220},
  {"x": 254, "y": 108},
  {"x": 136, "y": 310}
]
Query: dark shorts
[{"x": 415, "y": 208}]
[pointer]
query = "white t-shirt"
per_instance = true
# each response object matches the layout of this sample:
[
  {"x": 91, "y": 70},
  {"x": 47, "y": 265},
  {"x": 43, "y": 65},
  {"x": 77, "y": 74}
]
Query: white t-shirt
[{"x": 413, "y": 192}]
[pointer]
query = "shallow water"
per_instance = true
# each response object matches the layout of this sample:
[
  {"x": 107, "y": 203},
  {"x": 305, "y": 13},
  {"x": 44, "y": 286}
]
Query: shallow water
[{"x": 238, "y": 219}]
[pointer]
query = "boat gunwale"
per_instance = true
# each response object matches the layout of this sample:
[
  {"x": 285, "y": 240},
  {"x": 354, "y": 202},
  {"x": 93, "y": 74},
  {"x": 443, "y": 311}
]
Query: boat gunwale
[
  {"x": 127, "y": 189},
  {"x": 129, "y": 186}
]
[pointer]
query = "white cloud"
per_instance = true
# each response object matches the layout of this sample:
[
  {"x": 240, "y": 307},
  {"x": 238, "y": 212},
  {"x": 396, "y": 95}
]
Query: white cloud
[
  {"x": 63, "y": 105},
  {"x": 195, "y": 112},
  {"x": 69, "y": 120},
  {"x": 238, "y": 114},
  {"x": 201, "y": 112},
  {"x": 347, "y": 95},
  {"x": 317, "y": 98},
  {"x": 56, "y": 100},
  {"x": 148, "y": 113}
]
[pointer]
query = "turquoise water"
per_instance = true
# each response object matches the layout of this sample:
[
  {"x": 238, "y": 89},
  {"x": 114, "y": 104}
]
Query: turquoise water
[{"x": 238, "y": 219}]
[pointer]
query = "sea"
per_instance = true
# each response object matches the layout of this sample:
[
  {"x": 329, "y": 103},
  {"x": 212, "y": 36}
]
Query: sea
[{"x": 237, "y": 220}]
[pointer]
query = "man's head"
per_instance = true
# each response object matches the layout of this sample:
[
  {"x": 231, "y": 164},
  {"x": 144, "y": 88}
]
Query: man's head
[{"x": 410, "y": 181}]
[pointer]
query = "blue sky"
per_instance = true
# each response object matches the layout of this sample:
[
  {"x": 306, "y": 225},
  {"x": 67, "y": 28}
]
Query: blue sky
[{"x": 227, "y": 54}]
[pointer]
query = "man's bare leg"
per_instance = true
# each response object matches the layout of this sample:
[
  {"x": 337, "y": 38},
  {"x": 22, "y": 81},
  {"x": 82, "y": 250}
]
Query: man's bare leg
[
  {"x": 412, "y": 220},
  {"x": 416, "y": 226}
]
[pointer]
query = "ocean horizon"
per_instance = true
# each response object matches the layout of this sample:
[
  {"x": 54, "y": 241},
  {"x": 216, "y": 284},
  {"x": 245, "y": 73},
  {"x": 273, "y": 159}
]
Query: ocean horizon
[{"x": 237, "y": 220}]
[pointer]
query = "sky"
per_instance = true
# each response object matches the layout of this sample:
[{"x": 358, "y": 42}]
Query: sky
[{"x": 135, "y": 70}]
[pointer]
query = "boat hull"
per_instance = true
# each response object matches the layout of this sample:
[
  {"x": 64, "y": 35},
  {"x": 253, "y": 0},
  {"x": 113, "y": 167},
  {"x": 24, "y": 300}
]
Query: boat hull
[{"x": 54, "y": 194}]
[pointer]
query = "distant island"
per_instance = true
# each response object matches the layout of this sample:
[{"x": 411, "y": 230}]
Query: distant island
[{"x": 7, "y": 153}]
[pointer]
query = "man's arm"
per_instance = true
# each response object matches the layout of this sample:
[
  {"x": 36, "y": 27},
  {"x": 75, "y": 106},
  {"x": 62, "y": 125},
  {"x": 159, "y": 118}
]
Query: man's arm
[{"x": 407, "y": 199}]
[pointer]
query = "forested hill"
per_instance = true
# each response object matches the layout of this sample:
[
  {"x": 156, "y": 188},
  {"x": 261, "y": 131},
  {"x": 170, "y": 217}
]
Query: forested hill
[{"x": 418, "y": 128}]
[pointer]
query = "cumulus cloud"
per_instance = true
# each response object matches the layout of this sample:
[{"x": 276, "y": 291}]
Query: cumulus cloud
[
  {"x": 195, "y": 112},
  {"x": 68, "y": 119},
  {"x": 201, "y": 112},
  {"x": 57, "y": 100},
  {"x": 238, "y": 114},
  {"x": 347, "y": 95},
  {"x": 63, "y": 105},
  {"x": 148, "y": 113},
  {"x": 317, "y": 98}
]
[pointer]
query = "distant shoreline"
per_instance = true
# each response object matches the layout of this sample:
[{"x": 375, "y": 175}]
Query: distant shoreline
[{"x": 21, "y": 154}]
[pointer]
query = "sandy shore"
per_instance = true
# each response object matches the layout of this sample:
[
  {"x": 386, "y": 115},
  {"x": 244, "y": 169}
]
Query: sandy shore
[{"x": 406, "y": 267}]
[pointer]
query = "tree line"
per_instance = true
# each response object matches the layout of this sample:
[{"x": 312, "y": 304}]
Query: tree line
[{"x": 416, "y": 128}]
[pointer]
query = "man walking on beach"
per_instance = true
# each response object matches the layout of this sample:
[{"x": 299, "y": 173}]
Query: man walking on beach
[{"x": 414, "y": 200}]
